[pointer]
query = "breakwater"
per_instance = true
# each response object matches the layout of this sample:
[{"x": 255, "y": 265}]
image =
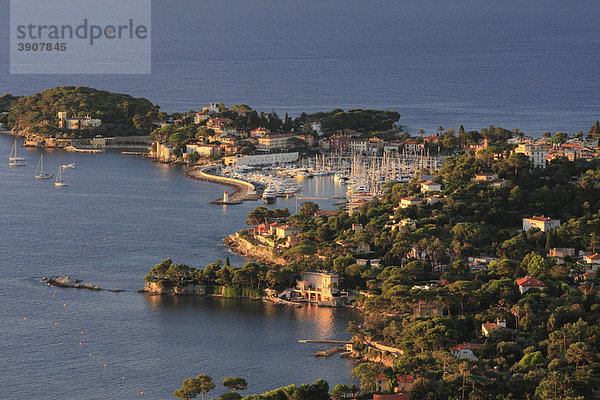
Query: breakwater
[{"x": 242, "y": 190}]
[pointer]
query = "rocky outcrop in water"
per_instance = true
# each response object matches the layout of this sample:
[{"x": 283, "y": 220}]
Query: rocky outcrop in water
[{"x": 67, "y": 282}]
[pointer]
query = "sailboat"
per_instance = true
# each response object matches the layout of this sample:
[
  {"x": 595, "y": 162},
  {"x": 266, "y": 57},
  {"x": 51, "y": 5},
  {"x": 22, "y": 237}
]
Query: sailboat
[
  {"x": 14, "y": 160},
  {"x": 39, "y": 172},
  {"x": 59, "y": 181}
]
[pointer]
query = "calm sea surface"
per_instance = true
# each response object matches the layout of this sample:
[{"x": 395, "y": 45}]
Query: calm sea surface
[
  {"x": 518, "y": 64},
  {"x": 120, "y": 216}
]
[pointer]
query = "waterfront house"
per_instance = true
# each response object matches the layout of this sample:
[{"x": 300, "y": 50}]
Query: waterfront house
[
  {"x": 542, "y": 223},
  {"x": 465, "y": 350},
  {"x": 74, "y": 123},
  {"x": 406, "y": 202},
  {"x": 317, "y": 286},
  {"x": 428, "y": 309},
  {"x": 528, "y": 283},
  {"x": 164, "y": 152},
  {"x": 488, "y": 327}
]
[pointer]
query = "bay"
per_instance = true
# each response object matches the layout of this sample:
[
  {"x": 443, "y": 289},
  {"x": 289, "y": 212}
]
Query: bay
[{"x": 118, "y": 217}]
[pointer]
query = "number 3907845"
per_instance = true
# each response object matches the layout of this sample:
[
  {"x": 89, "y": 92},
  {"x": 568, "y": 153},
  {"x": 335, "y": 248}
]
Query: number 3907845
[{"x": 41, "y": 46}]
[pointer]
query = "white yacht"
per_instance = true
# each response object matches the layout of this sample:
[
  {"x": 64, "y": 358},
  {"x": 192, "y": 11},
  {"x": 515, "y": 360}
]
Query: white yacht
[
  {"x": 269, "y": 195},
  {"x": 14, "y": 160},
  {"x": 59, "y": 182},
  {"x": 39, "y": 172}
]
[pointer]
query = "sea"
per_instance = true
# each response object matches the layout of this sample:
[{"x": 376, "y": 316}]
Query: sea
[
  {"x": 119, "y": 216},
  {"x": 528, "y": 65}
]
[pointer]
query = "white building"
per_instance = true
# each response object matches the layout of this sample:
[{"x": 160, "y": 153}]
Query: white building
[
  {"x": 465, "y": 350},
  {"x": 536, "y": 152},
  {"x": 318, "y": 286},
  {"x": 263, "y": 159},
  {"x": 164, "y": 152},
  {"x": 544, "y": 224}
]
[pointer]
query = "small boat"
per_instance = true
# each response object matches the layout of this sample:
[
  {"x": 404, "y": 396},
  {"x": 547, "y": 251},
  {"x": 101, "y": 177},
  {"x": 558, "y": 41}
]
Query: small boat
[
  {"x": 59, "y": 182},
  {"x": 71, "y": 166},
  {"x": 14, "y": 160},
  {"x": 39, "y": 172},
  {"x": 269, "y": 195}
]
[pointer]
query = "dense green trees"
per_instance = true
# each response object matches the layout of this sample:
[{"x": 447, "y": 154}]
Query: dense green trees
[
  {"x": 357, "y": 120},
  {"x": 121, "y": 113}
]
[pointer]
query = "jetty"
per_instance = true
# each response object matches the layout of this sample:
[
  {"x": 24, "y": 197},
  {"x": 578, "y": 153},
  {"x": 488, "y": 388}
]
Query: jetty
[
  {"x": 326, "y": 341},
  {"x": 134, "y": 153},
  {"x": 73, "y": 149},
  {"x": 242, "y": 190},
  {"x": 330, "y": 352}
]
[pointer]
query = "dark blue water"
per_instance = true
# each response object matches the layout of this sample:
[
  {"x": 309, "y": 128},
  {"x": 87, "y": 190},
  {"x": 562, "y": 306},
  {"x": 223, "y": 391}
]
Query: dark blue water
[
  {"x": 118, "y": 217},
  {"x": 519, "y": 64}
]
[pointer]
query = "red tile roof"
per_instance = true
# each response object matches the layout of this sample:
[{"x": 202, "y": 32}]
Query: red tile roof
[
  {"x": 530, "y": 281},
  {"x": 463, "y": 346},
  {"x": 541, "y": 219}
]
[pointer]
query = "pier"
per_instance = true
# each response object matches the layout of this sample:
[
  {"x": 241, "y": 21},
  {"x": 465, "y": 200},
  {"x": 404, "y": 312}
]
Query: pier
[
  {"x": 242, "y": 190},
  {"x": 326, "y": 341}
]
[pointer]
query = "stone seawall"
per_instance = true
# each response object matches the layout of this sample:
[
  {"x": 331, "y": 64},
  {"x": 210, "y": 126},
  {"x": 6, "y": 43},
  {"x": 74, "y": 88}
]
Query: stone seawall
[
  {"x": 248, "y": 249},
  {"x": 241, "y": 190}
]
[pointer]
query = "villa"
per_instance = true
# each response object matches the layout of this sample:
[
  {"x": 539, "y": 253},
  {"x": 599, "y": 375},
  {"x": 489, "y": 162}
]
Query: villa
[
  {"x": 317, "y": 286},
  {"x": 542, "y": 223},
  {"x": 528, "y": 283}
]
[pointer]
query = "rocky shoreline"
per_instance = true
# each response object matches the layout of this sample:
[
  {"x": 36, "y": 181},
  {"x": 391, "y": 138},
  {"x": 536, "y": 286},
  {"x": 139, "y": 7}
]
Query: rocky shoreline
[
  {"x": 66, "y": 282},
  {"x": 243, "y": 247}
]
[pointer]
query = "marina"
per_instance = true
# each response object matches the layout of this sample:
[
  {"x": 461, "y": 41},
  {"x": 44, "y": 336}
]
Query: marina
[{"x": 363, "y": 176}]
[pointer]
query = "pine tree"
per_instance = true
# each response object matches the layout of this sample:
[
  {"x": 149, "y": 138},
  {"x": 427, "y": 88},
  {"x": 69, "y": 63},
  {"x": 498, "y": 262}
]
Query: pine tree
[
  {"x": 594, "y": 130},
  {"x": 227, "y": 261}
]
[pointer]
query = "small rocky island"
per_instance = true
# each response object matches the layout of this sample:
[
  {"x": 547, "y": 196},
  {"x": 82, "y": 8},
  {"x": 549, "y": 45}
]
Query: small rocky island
[{"x": 67, "y": 282}]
